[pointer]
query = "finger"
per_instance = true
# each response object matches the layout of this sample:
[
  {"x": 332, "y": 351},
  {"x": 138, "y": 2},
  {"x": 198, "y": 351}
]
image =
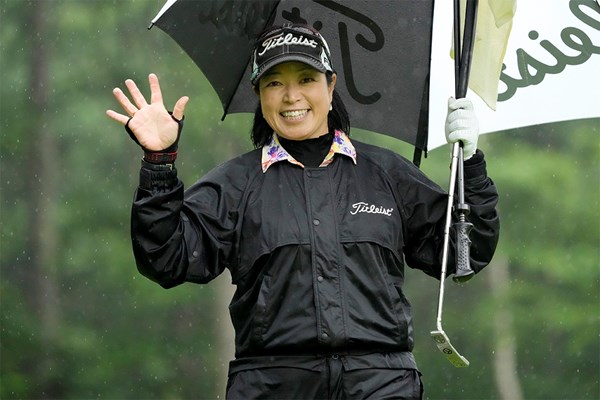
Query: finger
[
  {"x": 462, "y": 103},
  {"x": 461, "y": 114},
  {"x": 137, "y": 96},
  {"x": 155, "y": 92},
  {"x": 124, "y": 101},
  {"x": 465, "y": 103},
  {"x": 460, "y": 123},
  {"x": 179, "y": 109},
  {"x": 117, "y": 117}
]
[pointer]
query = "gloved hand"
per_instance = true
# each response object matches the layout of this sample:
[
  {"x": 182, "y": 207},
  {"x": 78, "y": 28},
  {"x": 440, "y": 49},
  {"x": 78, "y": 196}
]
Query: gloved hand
[{"x": 462, "y": 124}]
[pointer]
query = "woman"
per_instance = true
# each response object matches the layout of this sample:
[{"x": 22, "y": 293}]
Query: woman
[{"x": 314, "y": 228}]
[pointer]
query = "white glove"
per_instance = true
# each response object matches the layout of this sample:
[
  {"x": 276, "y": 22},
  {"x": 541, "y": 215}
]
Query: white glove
[{"x": 462, "y": 125}]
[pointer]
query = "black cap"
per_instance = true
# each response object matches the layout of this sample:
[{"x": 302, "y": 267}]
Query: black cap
[{"x": 291, "y": 42}]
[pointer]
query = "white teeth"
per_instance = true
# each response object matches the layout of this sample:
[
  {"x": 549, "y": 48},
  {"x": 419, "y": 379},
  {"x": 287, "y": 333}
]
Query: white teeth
[{"x": 294, "y": 114}]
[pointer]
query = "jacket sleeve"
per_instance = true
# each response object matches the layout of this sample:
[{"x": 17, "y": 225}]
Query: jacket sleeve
[
  {"x": 425, "y": 209},
  {"x": 181, "y": 236},
  {"x": 482, "y": 197}
]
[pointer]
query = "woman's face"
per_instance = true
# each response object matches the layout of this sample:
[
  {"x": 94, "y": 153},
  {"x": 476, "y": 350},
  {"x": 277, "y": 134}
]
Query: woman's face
[{"x": 295, "y": 100}]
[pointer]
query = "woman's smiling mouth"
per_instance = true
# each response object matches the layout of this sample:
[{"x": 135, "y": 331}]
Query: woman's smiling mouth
[{"x": 295, "y": 114}]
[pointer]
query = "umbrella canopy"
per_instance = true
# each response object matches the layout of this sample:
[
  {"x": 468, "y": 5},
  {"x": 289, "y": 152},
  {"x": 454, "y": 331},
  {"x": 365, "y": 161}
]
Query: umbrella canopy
[{"x": 381, "y": 53}]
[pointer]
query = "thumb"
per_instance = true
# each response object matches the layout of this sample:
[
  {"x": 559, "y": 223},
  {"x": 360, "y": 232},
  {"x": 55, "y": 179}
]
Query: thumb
[{"x": 179, "y": 109}]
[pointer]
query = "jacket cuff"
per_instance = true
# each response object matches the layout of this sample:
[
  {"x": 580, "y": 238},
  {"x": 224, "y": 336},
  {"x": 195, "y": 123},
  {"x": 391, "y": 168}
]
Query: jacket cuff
[
  {"x": 475, "y": 167},
  {"x": 158, "y": 177}
]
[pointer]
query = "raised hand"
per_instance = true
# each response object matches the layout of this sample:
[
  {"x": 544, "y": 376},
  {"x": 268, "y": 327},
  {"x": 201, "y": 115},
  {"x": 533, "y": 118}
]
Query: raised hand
[{"x": 151, "y": 123}]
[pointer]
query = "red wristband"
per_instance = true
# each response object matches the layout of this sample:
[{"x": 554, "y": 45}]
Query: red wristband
[{"x": 160, "y": 158}]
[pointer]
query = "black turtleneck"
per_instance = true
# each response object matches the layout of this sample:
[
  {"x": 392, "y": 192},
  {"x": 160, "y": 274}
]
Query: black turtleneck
[{"x": 310, "y": 152}]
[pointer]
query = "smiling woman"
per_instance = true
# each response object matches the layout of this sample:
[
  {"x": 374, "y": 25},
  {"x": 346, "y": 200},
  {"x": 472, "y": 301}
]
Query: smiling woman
[
  {"x": 293, "y": 76},
  {"x": 295, "y": 100},
  {"x": 314, "y": 228}
]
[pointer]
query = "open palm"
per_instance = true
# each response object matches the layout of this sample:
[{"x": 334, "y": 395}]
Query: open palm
[{"x": 151, "y": 123}]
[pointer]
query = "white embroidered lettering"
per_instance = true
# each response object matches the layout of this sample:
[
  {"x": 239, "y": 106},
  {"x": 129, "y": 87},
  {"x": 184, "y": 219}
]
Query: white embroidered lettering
[
  {"x": 367, "y": 208},
  {"x": 287, "y": 40}
]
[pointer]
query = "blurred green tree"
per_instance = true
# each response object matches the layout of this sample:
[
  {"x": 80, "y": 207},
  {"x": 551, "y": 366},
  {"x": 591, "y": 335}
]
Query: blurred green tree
[{"x": 78, "y": 321}]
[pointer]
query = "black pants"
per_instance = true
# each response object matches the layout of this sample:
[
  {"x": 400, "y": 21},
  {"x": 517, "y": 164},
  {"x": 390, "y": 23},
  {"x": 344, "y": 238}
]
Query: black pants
[{"x": 331, "y": 381}]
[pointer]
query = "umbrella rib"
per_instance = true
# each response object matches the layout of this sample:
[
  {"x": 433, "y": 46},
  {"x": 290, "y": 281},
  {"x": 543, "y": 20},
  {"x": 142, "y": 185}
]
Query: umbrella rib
[{"x": 164, "y": 9}]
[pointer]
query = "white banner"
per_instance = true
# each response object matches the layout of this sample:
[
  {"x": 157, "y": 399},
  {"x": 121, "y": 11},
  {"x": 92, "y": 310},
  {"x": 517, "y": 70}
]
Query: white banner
[{"x": 552, "y": 68}]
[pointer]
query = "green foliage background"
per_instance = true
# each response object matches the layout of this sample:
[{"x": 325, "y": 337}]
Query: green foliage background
[{"x": 78, "y": 321}]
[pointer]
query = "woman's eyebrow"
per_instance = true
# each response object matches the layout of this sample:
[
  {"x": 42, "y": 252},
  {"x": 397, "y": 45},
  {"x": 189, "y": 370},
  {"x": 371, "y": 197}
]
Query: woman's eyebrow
[{"x": 303, "y": 69}]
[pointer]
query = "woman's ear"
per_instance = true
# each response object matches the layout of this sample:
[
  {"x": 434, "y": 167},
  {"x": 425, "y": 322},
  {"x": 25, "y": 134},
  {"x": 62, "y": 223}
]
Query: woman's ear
[{"x": 332, "y": 86}]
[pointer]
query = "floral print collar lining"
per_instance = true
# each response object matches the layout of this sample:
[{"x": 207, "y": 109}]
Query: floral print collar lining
[{"x": 274, "y": 152}]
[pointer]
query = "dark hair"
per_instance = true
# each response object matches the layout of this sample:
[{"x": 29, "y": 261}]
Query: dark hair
[{"x": 337, "y": 119}]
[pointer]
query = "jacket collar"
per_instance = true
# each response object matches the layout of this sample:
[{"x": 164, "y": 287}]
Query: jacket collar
[{"x": 274, "y": 152}]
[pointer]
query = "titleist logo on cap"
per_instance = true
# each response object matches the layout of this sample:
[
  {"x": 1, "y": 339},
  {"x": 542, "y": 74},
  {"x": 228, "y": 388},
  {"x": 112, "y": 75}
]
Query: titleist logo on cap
[{"x": 287, "y": 40}]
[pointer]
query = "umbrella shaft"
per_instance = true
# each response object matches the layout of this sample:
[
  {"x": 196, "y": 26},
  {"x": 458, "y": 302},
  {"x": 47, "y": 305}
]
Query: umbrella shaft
[{"x": 463, "y": 52}]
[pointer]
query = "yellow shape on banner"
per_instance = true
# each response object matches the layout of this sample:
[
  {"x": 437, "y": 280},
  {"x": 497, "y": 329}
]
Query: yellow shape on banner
[{"x": 494, "y": 23}]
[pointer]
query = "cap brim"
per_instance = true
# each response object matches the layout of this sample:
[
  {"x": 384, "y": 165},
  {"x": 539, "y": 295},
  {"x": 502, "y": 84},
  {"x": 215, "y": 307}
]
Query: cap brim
[{"x": 312, "y": 62}]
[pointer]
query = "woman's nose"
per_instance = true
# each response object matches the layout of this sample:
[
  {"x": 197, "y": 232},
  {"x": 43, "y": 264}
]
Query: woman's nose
[{"x": 292, "y": 94}]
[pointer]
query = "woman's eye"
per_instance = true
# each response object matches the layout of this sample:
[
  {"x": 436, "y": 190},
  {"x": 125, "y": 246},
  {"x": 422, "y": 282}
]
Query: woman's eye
[{"x": 272, "y": 84}]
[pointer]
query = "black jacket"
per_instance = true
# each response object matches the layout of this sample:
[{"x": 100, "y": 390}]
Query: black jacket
[{"x": 317, "y": 254}]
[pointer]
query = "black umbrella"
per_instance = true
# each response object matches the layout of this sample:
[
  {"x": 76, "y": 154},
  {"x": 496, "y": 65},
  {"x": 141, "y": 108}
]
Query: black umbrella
[{"x": 381, "y": 53}]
